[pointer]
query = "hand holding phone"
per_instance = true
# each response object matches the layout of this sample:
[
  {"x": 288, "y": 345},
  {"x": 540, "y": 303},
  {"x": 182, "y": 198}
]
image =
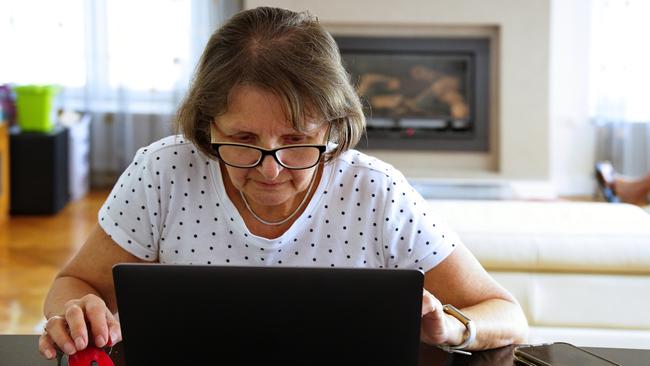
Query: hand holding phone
[{"x": 558, "y": 354}]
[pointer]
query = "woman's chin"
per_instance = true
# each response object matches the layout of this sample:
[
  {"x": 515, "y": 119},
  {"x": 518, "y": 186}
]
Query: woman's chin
[{"x": 266, "y": 199}]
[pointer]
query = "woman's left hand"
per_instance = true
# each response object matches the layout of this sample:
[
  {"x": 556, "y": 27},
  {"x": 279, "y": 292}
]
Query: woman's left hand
[{"x": 436, "y": 326}]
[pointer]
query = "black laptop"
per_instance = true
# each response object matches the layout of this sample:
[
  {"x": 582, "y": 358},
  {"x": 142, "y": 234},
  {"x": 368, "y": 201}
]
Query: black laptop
[{"x": 207, "y": 315}]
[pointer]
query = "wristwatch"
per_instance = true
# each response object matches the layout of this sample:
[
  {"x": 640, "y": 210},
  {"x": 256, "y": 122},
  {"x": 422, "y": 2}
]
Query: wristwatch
[{"x": 470, "y": 333}]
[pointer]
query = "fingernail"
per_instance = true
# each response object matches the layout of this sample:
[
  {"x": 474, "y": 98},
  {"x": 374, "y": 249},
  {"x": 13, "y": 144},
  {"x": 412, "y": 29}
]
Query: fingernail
[
  {"x": 69, "y": 349},
  {"x": 113, "y": 337},
  {"x": 48, "y": 354},
  {"x": 79, "y": 342},
  {"x": 99, "y": 341}
]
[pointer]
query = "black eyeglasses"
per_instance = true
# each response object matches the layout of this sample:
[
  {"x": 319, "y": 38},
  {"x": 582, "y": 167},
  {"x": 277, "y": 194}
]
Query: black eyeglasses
[{"x": 249, "y": 156}]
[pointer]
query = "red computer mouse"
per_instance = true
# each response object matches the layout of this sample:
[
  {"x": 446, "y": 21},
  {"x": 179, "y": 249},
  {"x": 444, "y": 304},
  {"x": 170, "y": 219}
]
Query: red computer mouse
[{"x": 90, "y": 356}]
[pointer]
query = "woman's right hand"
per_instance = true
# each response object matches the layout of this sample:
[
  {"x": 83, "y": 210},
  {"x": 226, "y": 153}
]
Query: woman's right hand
[{"x": 83, "y": 319}]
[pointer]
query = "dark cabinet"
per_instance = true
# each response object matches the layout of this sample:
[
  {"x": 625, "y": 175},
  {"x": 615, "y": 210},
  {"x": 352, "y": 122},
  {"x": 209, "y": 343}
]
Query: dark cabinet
[{"x": 39, "y": 171}]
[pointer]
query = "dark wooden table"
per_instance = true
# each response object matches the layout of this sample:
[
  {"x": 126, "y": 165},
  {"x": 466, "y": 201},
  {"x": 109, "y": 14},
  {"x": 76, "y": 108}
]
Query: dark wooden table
[{"x": 19, "y": 350}]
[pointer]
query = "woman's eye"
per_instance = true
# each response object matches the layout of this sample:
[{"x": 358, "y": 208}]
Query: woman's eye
[
  {"x": 295, "y": 139},
  {"x": 243, "y": 138}
]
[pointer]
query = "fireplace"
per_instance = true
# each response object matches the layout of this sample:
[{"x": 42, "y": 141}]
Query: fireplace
[{"x": 421, "y": 93}]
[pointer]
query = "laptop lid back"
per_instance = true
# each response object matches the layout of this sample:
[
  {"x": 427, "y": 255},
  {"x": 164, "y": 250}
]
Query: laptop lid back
[{"x": 181, "y": 314}]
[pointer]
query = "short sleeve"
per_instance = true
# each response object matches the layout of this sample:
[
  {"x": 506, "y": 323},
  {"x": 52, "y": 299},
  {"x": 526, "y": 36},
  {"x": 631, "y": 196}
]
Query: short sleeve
[
  {"x": 131, "y": 213},
  {"x": 414, "y": 236}
]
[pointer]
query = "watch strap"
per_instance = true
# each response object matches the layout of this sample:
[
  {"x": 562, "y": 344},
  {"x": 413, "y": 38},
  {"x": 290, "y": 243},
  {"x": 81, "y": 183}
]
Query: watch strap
[{"x": 470, "y": 332}]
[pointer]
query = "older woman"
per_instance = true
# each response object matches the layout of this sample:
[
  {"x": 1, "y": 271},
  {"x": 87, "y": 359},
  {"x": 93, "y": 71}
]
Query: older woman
[{"x": 264, "y": 174}]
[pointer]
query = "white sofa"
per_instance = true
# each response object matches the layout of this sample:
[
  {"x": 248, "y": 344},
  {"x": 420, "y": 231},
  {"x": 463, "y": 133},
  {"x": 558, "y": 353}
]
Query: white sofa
[{"x": 581, "y": 270}]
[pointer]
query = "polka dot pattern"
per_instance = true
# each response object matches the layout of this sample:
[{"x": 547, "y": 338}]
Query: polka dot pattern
[{"x": 170, "y": 206}]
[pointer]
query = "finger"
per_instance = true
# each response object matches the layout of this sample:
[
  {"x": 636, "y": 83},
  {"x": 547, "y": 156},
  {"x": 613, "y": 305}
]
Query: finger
[
  {"x": 57, "y": 328},
  {"x": 114, "y": 328},
  {"x": 46, "y": 346},
  {"x": 96, "y": 314},
  {"x": 427, "y": 303},
  {"x": 74, "y": 315},
  {"x": 430, "y": 304}
]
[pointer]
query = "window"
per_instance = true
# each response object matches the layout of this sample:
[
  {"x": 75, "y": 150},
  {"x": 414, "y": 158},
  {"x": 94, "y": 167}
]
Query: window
[
  {"x": 148, "y": 43},
  {"x": 619, "y": 72},
  {"x": 107, "y": 55},
  {"x": 42, "y": 42}
]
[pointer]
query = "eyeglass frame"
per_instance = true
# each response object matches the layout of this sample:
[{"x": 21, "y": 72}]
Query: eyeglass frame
[{"x": 265, "y": 152}]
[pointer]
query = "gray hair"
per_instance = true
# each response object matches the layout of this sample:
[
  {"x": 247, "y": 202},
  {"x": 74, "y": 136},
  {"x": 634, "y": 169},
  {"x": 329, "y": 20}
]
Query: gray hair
[{"x": 287, "y": 53}]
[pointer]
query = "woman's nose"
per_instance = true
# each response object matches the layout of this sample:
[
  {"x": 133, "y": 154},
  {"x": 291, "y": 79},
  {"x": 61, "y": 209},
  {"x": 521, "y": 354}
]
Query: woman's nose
[{"x": 269, "y": 167}]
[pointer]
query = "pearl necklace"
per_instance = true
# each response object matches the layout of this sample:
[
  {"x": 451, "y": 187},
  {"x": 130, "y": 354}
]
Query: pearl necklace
[{"x": 276, "y": 223}]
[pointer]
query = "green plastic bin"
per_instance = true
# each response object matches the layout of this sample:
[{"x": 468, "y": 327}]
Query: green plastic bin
[{"x": 35, "y": 107}]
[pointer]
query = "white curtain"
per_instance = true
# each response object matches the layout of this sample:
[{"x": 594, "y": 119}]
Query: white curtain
[
  {"x": 128, "y": 63},
  {"x": 621, "y": 60},
  {"x": 109, "y": 55},
  {"x": 620, "y": 82}
]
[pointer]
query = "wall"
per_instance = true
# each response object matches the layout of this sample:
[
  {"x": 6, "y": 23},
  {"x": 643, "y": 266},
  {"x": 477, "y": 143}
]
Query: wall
[{"x": 522, "y": 103}]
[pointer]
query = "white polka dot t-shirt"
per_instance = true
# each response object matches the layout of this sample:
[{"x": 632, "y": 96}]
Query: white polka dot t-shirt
[{"x": 170, "y": 205}]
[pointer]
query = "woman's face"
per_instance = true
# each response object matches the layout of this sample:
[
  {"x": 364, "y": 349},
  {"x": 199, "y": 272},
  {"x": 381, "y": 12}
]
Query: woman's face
[{"x": 256, "y": 117}]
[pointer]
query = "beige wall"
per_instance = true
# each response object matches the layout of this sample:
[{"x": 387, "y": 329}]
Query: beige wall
[{"x": 522, "y": 101}]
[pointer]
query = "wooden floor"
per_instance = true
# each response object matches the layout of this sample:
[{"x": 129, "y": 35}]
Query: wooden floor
[{"x": 32, "y": 250}]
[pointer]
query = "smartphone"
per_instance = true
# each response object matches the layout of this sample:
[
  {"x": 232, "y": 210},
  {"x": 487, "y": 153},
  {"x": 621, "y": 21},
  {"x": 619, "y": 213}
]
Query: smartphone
[{"x": 558, "y": 354}]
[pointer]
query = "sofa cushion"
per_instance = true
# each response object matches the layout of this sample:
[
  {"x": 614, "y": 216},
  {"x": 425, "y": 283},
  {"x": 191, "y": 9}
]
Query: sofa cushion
[
  {"x": 580, "y": 300},
  {"x": 555, "y": 236}
]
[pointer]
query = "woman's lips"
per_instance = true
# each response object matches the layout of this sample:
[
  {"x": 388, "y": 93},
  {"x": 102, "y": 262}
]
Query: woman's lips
[{"x": 269, "y": 184}]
